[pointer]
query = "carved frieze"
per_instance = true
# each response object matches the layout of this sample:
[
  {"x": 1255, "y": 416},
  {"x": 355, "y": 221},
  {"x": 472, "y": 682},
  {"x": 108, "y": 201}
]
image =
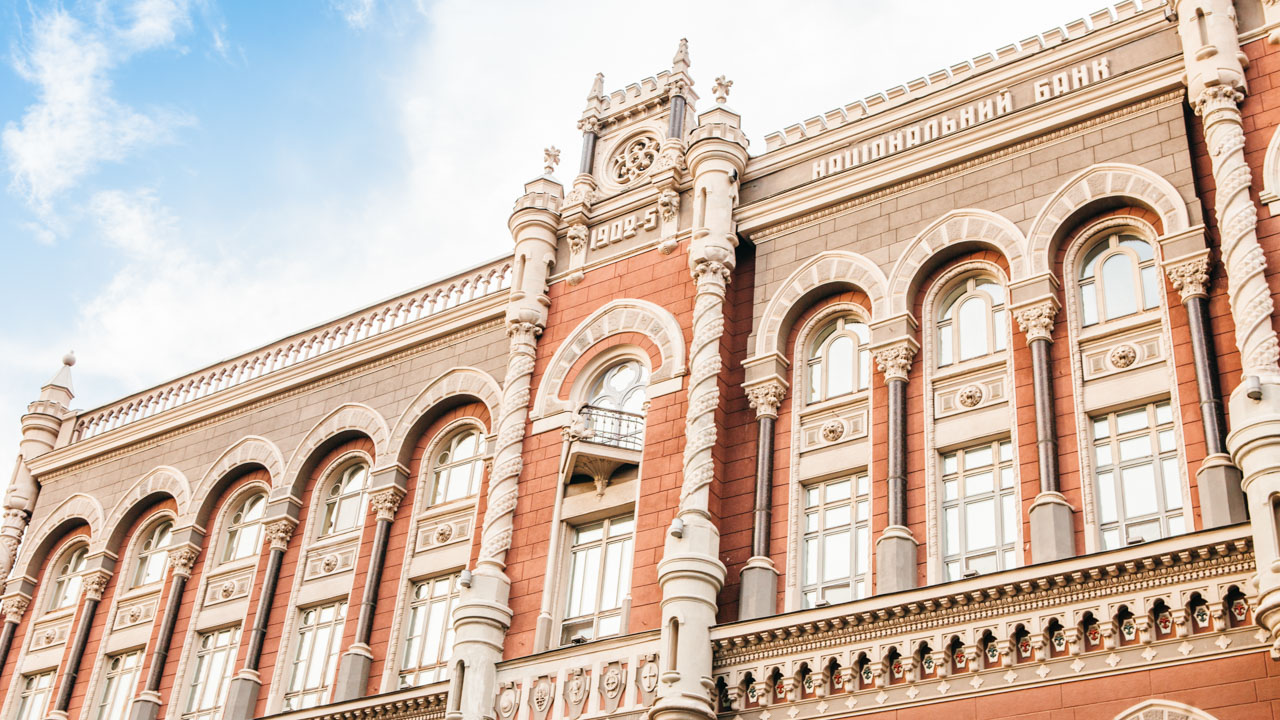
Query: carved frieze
[
  {"x": 136, "y": 612},
  {"x": 225, "y": 588},
  {"x": 541, "y": 697},
  {"x": 577, "y": 687},
  {"x": 330, "y": 560},
  {"x": 612, "y": 680},
  {"x": 441, "y": 531}
]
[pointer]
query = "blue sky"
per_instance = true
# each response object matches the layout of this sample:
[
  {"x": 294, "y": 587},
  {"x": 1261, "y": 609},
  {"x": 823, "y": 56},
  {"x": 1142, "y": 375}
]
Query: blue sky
[{"x": 182, "y": 180}]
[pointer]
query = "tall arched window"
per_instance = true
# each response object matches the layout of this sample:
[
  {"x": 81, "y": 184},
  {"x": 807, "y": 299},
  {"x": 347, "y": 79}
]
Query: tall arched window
[
  {"x": 244, "y": 529},
  {"x": 615, "y": 410},
  {"x": 345, "y": 500},
  {"x": 972, "y": 321},
  {"x": 839, "y": 359},
  {"x": 458, "y": 468},
  {"x": 153, "y": 554},
  {"x": 67, "y": 578},
  {"x": 1117, "y": 278}
]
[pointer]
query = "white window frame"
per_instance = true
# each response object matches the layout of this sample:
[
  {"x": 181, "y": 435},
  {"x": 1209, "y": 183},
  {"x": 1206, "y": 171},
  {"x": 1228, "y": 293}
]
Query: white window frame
[
  {"x": 332, "y": 505},
  {"x": 1145, "y": 277},
  {"x": 235, "y": 534},
  {"x": 955, "y": 499},
  {"x": 119, "y": 680},
  {"x": 598, "y": 620},
  {"x": 428, "y": 630},
  {"x": 629, "y": 398},
  {"x": 447, "y": 462},
  {"x": 214, "y": 649},
  {"x": 151, "y": 557},
  {"x": 819, "y": 368},
  {"x": 33, "y": 700},
  {"x": 65, "y": 588},
  {"x": 1161, "y": 436},
  {"x": 948, "y": 326},
  {"x": 828, "y": 512},
  {"x": 307, "y": 689}
]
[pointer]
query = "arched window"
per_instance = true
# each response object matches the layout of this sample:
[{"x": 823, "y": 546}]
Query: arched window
[
  {"x": 458, "y": 468},
  {"x": 67, "y": 578},
  {"x": 839, "y": 359},
  {"x": 244, "y": 529},
  {"x": 153, "y": 554},
  {"x": 1117, "y": 278},
  {"x": 345, "y": 500},
  {"x": 615, "y": 411},
  {"x": 971, "y": 322}
]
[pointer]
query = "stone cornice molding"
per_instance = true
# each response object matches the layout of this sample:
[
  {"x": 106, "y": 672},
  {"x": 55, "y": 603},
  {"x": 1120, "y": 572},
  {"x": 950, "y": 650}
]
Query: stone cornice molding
[
  {"x": 766, "y": 397},
  {"x": 1036, "y": 320}
]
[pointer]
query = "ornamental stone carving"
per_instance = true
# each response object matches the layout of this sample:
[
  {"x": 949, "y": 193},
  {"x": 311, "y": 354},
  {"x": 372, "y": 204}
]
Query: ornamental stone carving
[
  {"x": 969, "y": 396},
  {"x": 227, "y": 590},
  {"x": 1123, "y": 356},
  {"x": 183, "y": 559},
  {"x": 443, "y": 534},
  {"x": 279, "y": 532},
  {"x": 612, "y": 680},
  {"x": 386, "y": 502},
  {"x": 13, "y": 608},
  {"x": 577, "y": 235},
  {"x": 832, "y": 430},
  {"x": 1036, "y": 321},
  {"x": 633, "y": 159},
  {"x": 541, "y": 697},
  {"x": 895, "y": 361},
  {"x": 95, "y": 584},
  {"x": 647, "y": 678},
  {"x": 1191, "y": 278},
  {"x": 576, "y": 690},
  {"x": 508, "y": 701},
  {"x": 669, "y": 204},
  {"x": 766, "y": 398}
]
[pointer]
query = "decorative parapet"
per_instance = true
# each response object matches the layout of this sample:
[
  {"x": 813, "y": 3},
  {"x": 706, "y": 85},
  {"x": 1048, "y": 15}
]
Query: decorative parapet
[
  {"x": 485, "y": 280},
  {"x": 1171, "y": 601},
  {"x": 945, "y": 77}
]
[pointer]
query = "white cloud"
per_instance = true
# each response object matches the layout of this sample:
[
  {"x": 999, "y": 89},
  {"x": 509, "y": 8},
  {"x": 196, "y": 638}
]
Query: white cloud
[
  {"x": 357, "y": 13},
  {"x": 155, "y": 23}
]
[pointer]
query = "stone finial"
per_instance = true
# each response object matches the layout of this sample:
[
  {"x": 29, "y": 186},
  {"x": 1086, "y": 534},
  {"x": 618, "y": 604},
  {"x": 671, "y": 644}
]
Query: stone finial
[
  {"x": 721, "y": 89},
  {"x": 550, "y": 159},
  {"x": 597, "y": 87},
  {"x": 895, "y": 361},
  {"x": 1191, "y": 278},
  {"x": 63, "y": 378},
  {"x": 1036, "y": 321},
  {"x": 680, "y": 62},
  {"x": 766, "y": 397}
]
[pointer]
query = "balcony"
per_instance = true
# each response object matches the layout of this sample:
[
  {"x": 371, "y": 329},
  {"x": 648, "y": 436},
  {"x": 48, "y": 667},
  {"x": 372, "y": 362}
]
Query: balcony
[{"x": 615, "y": 428}]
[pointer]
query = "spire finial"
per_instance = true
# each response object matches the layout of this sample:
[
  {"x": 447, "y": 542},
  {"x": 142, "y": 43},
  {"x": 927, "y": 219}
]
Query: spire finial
[
  {"x": 721, "y": 89},
  {"x": 69, "y": 359},
  {"x": 680, "y": 62},
  {"x": 597, "y": 87},
  {"x": 551, "y": 158}
]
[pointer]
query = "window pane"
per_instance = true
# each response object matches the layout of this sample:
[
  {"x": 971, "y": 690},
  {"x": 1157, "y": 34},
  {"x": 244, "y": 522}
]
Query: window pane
[
  {"x": 944, "y": 344},
  {"x": 836, "y": 556},
  {"x": 1009, "y": 519},
  {"x": 977, "y": 457},
  {"x": 950, "y": 464},
  {"x": 950, "y": 489},
  {"x": 1107, "y": 497},
  {"x": 810, "y": 561},
  {"x": 978, "y": 483},
  {"x": 836, "y": 516},
  {"x": 1172, "y": 484},
  {"x": 840, "y": 366},
  {"x": 1146, "y": 532},
  {"x": 997, "y": 322},
  {"x": 1132, "y": 420},
  {"x": 838, "y": 491},
  {"x": 980, "y": 524},
  {"x": 972, "y": 326},
  {"x": 621, "y": 526},
  {"x": 815, "y": 382},
  {"x": 1164, "y": 413},
  {"x": 1135, "y": 448},
  {"x": 1117, "y": 286},
  {"x": 862, "y": 553},
  {"x": 1150, "y": 298},
  {"x": 951, "y": 521},
  {"x": 1088, "y": 304},
  {"x": 1139, "y": 490},
  {"x": 864, "y": 369}
]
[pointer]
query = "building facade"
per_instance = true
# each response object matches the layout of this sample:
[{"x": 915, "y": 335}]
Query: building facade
[{"x": 961, "y": 400}]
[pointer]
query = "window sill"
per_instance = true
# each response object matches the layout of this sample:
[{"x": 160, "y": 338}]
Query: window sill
[
  {"x": 835, "y": 403},
  {"x": 231, "y": 566},
  {"x": 447, "y": 508},
  {"x": 1119, "y": 326},
  {"x": 986, "y": 362},
  {"x": 328, "y": 541}
]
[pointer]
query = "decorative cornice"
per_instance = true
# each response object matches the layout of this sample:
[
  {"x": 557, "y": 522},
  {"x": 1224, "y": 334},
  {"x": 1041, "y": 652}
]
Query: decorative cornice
[
  {"x": 278, "y": 532},
  {"x": 1191, "y": 278},
  {"x": 1036, "y": 321},
  {"x": 895, "y": 360},
  {"x": 385, "y": 503},
  {"x": 766, "y": 397}
]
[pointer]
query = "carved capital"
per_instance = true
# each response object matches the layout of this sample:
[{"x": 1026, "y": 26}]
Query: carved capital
[
  {"x": 1191, "y": 278},
  {"x": 183, "y": 559},
  {"x": 14, "y": 608},
  {"x": 589, "y": 124},
  {"x": 1036, "y": 321},
  {"x": 1217, "y": 97},
  {"x": 523, "y": 332},
  {"x": 712, "y": 272},
  {"x": 95, "y": 584},
  {"x": 766, "y": 397},
  {"x": 385, "y": 502},
  {"x": 895, "y": 361},
  {"x": 279, "y": 532}
]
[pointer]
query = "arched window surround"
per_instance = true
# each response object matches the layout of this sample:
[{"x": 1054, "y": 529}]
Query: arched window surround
[
  {"x": 429, "y": 464},
  {"x": 801, "y": 349},
  {"x": 839, "y": 335},
  {"x": 953, "y": 322},
  {"x": 223, "y": 524},
  {"x": 995, "y": 364},
  {"x": 332, "y": 474},
  {"x": 60, "y": 555},
  {"x": 1084, "y": 241},
  {"x": 126, "y": 575}
]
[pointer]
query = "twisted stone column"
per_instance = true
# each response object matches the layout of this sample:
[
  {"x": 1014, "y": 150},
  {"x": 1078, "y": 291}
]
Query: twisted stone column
[
  {"x": 1052, "y": 535},
  {"x": 896, "y": 548},
  {"x": 758, "y": 585}
]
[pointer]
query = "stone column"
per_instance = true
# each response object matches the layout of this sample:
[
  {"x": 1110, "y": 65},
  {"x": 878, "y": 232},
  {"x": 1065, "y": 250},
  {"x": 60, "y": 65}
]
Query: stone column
[
  {"x": 758, "y": 584},
  {"x": 1215, "y": 85},
  {"x": 242, "y": 695},
  {"x": 353, "y": 668},
  {"x": 1222, "y": 501},
  {"x": 41, "y": 432},
  {"x": 690, "y": 573},
  {"x": 147, "y": 705},
  {"x": 482, "y": 617},
  {"x": 13, "y": 608},
  {"x": 896, "y": 548},
  {"x": 1052, "y": 533},
  {"x": 95, "y": 583}
]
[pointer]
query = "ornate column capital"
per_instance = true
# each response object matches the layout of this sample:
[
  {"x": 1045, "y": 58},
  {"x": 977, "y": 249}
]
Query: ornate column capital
[
  {"x": 385, "y": 502},
  {"x": 1217, "y": 97},
  {"x": 278, "y": 532},
  {"x": 523, "y": 332},
  {"x": 183, "y": 559},
  {"x": 589, "y": 124},
  {"x": 895, "y": 360},
  {"x": 1190, "y": 278},
  {"x": 95, "y": 584},
  {"x": 14, "y": 607},
  {"x": 1036, "y": 321},
  {"x": 766, "y": 397}
]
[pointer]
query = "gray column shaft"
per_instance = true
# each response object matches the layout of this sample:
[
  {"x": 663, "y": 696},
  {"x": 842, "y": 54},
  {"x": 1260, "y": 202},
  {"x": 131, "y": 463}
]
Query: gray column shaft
[
  {"x": 1215, "y": 425},
  {"x": 1046, "y": 421},
  {"x": 6, "y": 640},
  {"x": 897, "y": 452},
  {"x": 161, "y": 653},
  {"x": 259, "y": 631},
  {"x": 63, "y": 700},
  {"x": 588, "y": 153},
  {"x": 764, "y": 488},
  {"x": 676, "y": 128},
  {"x": 369, "y": 603}
]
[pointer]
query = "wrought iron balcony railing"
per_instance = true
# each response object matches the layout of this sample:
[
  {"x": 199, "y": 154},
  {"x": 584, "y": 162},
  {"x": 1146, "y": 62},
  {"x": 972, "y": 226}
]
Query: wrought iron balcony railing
[{"x": 615, "y": 428}]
